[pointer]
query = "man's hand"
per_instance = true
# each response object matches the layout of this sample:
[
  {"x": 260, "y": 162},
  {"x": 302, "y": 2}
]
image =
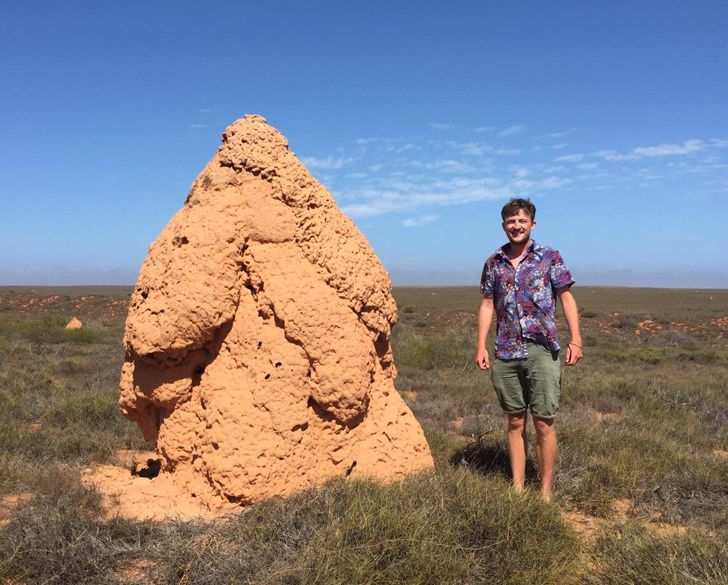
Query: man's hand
[
  {"x": 574, "y": 353},
  {"x": 482, "y": 359}
]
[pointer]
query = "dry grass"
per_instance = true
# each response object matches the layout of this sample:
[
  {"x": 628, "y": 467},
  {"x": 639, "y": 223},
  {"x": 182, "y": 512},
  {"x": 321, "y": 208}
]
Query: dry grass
[{"x": 642, "y": 481}]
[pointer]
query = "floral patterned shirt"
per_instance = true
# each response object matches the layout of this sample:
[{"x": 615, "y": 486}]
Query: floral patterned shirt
[{"x": 524, "y": 298}]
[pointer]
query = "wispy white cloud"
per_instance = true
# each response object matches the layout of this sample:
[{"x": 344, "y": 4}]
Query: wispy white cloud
[
  {"x": 441, "y": 126},
  {"x": 688, "y": 147},
  {"x": 390, "y": 144},
  {"x": 560, "y": 134},
  {"x": 668, "y": 149},
  {"x": 470, "y": 148},
  {"x": 444, "y": 166},
  {"x": 548, "y": 183},
  {"x": 198, "y": 125},
  {"x": 373, "y": 201},
  {"x": 484, "y": 129},
  {"x": 325, "y": 164},
  {"x": 610, "y": 155},
  {"x": 388, "y": 177},
  {"x": 386, "y": 197},
  {"x": 569, "y": 158},
  {"x": 513, "y": 130},
  {"x": 419, "y": 221},
  {"x": 402, "y": 185}
]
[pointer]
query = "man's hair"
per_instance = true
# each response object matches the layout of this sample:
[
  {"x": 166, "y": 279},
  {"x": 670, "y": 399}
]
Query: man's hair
[{"x": 515, "y": 205}]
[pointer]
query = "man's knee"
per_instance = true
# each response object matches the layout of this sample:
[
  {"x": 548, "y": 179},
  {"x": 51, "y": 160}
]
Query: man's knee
[
  {"x": 517, "y": 422},
  {"x": 544, "y": 426}
]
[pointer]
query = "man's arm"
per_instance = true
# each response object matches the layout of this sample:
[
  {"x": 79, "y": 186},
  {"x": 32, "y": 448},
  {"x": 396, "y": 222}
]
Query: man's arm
[
  {"x": 485, "y": 318},
  {"x": 574, "y": 350}
]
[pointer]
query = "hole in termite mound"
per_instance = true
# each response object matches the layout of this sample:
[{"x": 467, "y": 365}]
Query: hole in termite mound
[{"x": 149, "y": 469}]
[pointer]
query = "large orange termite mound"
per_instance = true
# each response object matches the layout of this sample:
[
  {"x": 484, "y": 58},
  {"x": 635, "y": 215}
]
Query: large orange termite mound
[{"x": 257, "y": 341}]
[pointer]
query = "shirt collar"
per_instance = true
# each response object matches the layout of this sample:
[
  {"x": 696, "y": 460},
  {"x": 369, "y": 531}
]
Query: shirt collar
[{"x": 533, "y": 248}]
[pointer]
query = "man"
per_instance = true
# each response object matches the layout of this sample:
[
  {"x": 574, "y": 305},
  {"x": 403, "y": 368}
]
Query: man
[{"x": 521, "y": 282}]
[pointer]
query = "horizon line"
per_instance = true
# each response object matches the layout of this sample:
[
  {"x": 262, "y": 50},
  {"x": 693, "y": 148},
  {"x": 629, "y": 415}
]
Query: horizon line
[{"x": 4, "y": 287}]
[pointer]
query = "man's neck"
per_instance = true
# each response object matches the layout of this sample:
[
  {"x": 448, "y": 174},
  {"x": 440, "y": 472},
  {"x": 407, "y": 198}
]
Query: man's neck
[{"x": 517, "y": 250}]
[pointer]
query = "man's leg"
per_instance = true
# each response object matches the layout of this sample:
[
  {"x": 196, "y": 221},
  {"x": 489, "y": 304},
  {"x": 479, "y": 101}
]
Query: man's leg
[
  {"x": 546, "y": 450},
  {"x": 517, "y": 448}
]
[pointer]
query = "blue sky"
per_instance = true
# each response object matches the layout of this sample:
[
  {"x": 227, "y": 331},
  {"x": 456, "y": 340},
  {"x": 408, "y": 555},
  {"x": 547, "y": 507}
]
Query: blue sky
[{"x": 421, "y": 117}]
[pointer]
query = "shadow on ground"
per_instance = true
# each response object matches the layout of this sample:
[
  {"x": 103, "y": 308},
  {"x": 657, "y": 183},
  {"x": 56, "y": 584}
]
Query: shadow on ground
[{"x": 489, "y": 459}]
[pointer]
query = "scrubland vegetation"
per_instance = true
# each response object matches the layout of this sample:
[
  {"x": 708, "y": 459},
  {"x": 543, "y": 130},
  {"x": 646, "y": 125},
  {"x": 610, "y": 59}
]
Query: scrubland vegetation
[{"x": 641, "y": 484}]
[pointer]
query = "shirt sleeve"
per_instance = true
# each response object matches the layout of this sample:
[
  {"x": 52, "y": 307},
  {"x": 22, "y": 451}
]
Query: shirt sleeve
[
  {"x": 559, "y": 274},
  {"x": 487, "y": 281}
]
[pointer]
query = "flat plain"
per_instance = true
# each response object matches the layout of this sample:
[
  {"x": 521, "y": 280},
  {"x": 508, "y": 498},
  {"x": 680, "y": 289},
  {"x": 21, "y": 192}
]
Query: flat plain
[{"x": 641, "y": 484}]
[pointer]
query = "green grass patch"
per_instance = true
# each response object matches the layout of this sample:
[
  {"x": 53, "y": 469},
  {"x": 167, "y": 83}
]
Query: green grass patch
[
  {"x": 56, "y": 537},
  {"x": 644, "y": 418},
  {"x": 645, "y": 355},
  {"x": 429, "y": 529},
  {"x": 632, "y": 554},
  {"x": 450, "y": 349},
  {"x": 48, "y": 329}
]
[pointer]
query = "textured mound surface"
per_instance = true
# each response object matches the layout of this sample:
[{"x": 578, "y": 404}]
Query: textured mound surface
[{"x": 257, "y": 341}]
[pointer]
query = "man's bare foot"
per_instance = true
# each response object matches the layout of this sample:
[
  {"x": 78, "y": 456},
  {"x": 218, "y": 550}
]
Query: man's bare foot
[
  {"x": 518, "y": 488},
  {"x": 546, "y": 496}
]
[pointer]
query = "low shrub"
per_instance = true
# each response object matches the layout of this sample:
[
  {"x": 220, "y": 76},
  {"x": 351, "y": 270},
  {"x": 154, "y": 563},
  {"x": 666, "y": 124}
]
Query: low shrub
[{"x": 588, "y": 314}]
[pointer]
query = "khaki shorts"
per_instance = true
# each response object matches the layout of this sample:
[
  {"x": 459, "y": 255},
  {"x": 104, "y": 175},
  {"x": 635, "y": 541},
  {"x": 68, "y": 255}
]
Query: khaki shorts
[{"x": 534, "y": 382}]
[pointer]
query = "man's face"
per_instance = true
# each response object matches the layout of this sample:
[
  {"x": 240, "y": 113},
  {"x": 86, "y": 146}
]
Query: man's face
[{"x": 518, "y": 227}]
